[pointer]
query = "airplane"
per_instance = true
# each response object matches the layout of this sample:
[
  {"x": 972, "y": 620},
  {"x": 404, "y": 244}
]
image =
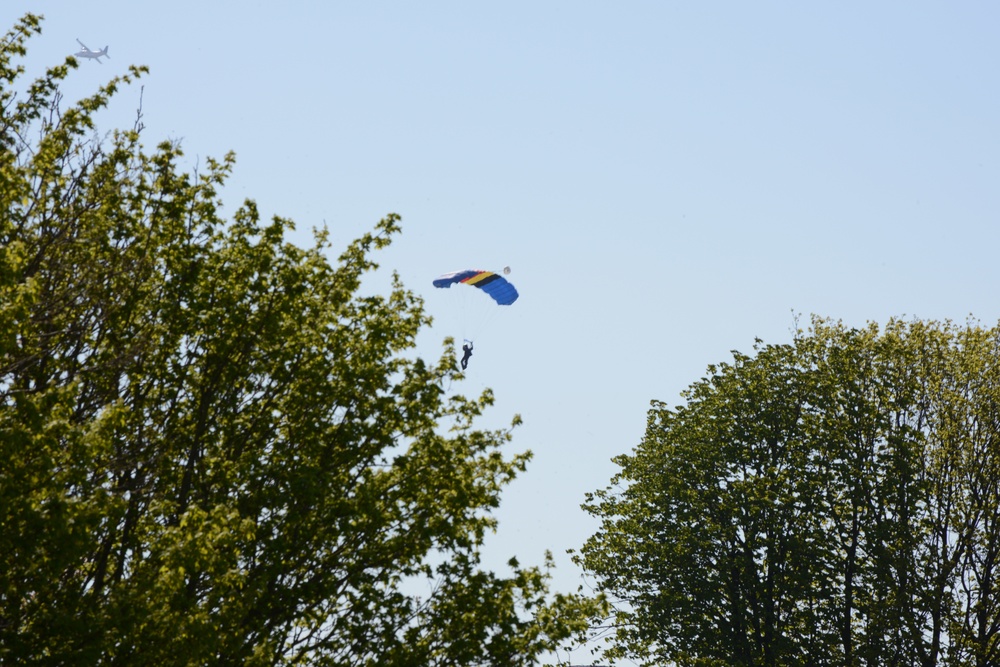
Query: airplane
[{"x": 87, "y": 53}]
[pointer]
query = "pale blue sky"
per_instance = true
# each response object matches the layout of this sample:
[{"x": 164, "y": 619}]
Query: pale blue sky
[{"x": 667, "y": 180}]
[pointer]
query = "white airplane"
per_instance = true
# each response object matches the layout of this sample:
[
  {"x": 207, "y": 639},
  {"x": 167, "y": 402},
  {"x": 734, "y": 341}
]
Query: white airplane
[{"x": 87, "y": 53}]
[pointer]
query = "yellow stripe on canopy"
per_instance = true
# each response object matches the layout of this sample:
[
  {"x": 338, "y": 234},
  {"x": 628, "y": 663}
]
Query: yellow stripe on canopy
[{"x": 475, "y": 279}]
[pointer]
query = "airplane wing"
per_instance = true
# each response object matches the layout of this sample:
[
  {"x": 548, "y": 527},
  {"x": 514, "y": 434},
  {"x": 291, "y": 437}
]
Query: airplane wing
[{"x": 82, "y": 44}]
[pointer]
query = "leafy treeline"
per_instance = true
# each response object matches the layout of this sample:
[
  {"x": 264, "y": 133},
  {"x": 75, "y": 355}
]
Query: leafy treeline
[
  {"x": 834, "y": 501},
  {"x": 213, "y": 450}
]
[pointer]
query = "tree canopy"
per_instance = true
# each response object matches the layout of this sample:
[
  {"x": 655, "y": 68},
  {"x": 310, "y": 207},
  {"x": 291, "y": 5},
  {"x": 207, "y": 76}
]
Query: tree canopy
[
  {"x": 215, "y": 448},
  {"x": 833, "y": 501}
]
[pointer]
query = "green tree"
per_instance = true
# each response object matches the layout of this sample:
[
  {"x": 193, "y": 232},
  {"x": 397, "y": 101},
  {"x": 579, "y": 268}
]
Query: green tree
[
  {"x": 215, "y": 449},
  {"x": 833, "y": 501}
]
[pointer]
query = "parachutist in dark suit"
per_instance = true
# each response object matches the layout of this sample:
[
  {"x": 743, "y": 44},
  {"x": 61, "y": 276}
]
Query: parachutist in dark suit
[{"x": 468, "y": 353}]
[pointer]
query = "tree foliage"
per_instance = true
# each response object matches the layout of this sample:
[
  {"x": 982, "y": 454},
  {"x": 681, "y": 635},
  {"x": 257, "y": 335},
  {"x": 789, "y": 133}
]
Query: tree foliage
[
  {"x": 834, "y": 501},
  {"x": 215, "y": 449}
]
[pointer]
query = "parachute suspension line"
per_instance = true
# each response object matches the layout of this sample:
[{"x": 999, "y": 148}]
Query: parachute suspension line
[{"x": 468, "y": 310}]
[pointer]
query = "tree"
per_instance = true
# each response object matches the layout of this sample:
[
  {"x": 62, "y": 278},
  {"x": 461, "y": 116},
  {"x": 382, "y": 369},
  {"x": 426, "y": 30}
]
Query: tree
[
  {"x": 215, "y": 448},
  {"x": 833, "y": 501}
]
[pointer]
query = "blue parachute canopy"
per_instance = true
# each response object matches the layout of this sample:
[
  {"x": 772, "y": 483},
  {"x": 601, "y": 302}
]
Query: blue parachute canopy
[{"x": 493, "y": 284}]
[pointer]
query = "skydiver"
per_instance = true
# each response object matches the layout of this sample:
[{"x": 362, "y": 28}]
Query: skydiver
[{"x": 468, "y": 353}]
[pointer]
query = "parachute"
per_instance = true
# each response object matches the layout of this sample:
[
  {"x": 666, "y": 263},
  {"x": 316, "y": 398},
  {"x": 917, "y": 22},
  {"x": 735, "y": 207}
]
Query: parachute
[{"x": 493, "y": 284}]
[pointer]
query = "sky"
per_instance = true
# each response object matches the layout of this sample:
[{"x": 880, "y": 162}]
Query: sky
[{"x": 666, "y": 180}]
